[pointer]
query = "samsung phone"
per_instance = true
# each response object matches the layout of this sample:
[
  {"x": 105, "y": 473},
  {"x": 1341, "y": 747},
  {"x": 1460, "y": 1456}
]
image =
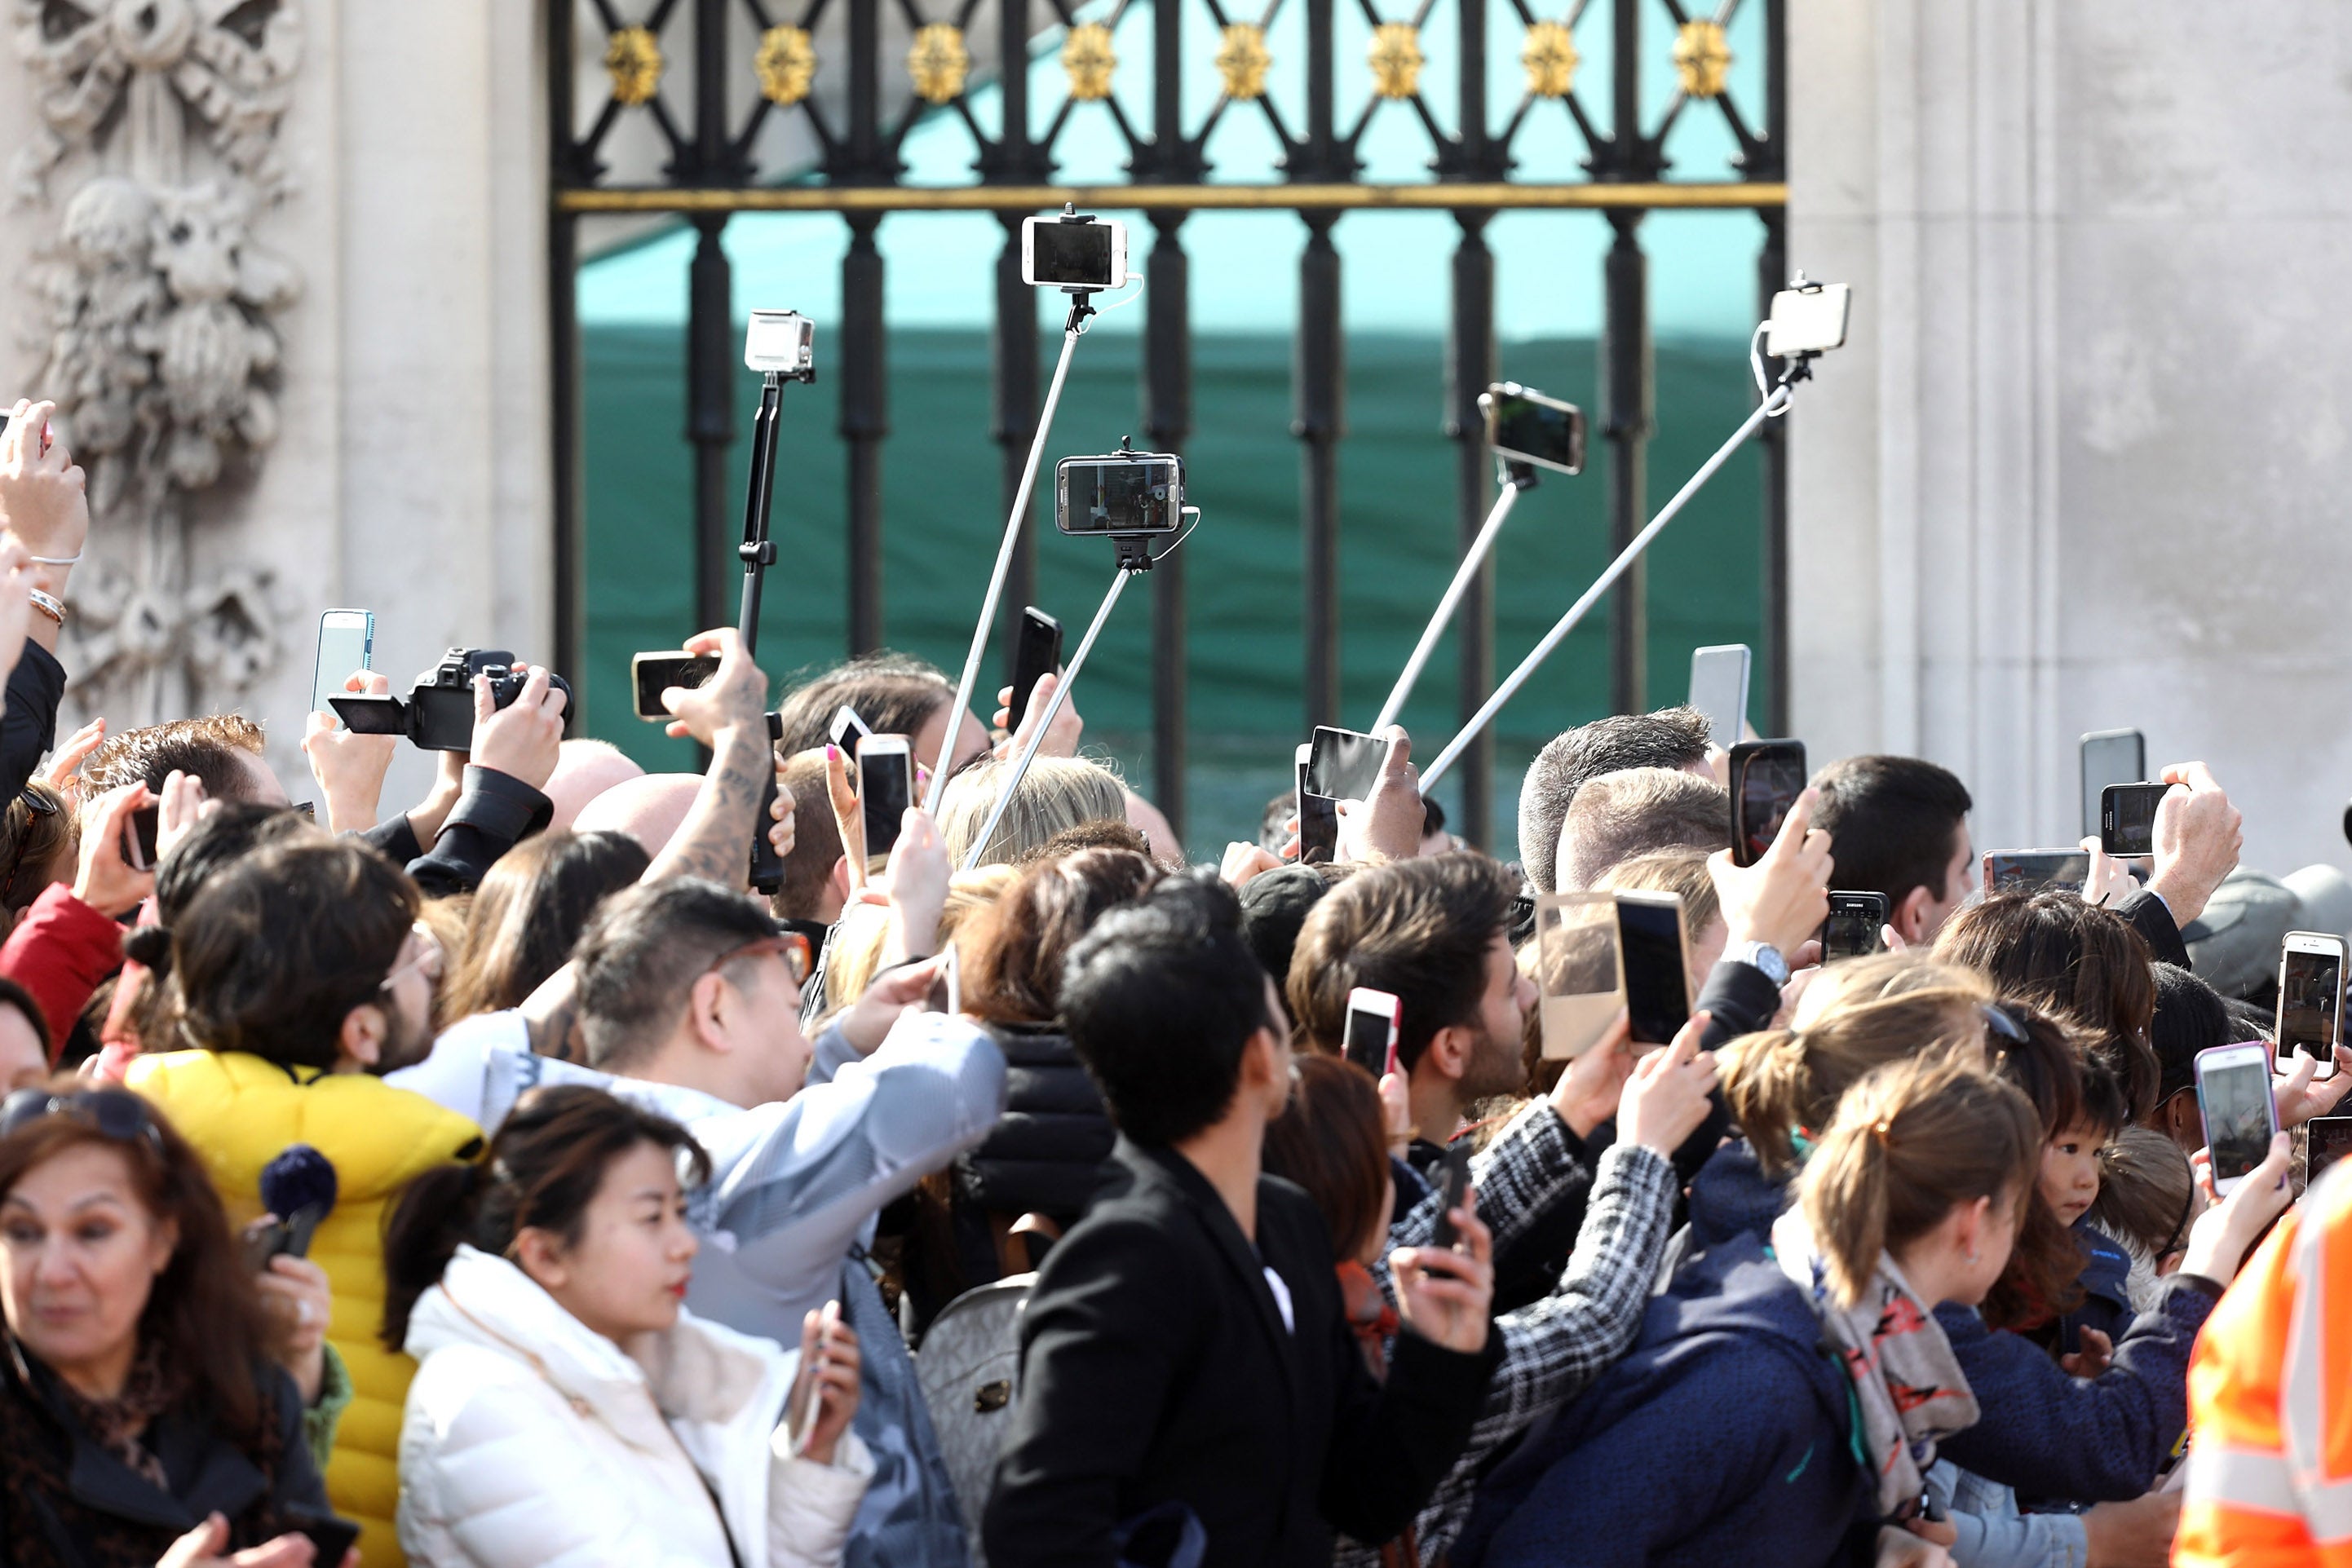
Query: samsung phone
[
  {"x": 1808, "y": 320},
  {"x": 1371, "y": 1038},
  {"x": 650, "y": 674},
  {"x": 1345, "y": 763},
  {"x": 2127, "y": 818},
  {"x": 2310, "y": 1000},
  {"x": 1655, "y": 952},
  {"x": 1580, "y": 981},
  {"x": 1525, "y": 426},
  {"x": 2109, "y": 757},
  {"x": 1452, "y": 1185},
  {"x": 139, "y": 838},
  {"x": 1857, "y": 926},
  {"x": 1767, "y": 777},
  {"x": 2327, "y": 1140},
  {"x": 2233, "y": 1096},
  {"x": 1318, "y": 830},
  {"x": 2032, "y": 871},
  {"x": 346, "y": 646},
  {"x": 1037, "y": 655},
  {"x": 1718, "y": 689},
  {"x": 1090, "y": 253},
  {"x": 847, "y": 729},
  {"x": 886, "y": 788},
  {"x": 1120, "y": 493}
]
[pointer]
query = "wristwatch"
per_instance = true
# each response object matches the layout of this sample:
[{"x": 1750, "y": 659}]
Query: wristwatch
[{"x": 1760, "y": 955}]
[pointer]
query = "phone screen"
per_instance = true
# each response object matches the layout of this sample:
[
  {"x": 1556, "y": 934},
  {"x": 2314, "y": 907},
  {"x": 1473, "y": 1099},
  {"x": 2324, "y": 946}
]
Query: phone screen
[
  {"x": 657, "y": 673},
  {"x": 1767, "y": 779},
  {"x": 2236, "y": 1101},
  {"x": 2311, "y": 991},
  {"x": 1657, "y": 986},
  {"x": 1039, "y": 655},
  {"x": 1120, "y": 495},
  {"x": 2127, "y": 818},
  {"x": 2330, "y": 1141},
  {"x": 1576, "y": 971},
  {"x": 1369, "y": 1034},
  {"x": 1071, "y": 255},
  {"x": 146, "y": 823},
  {"x": 1535, "y": 429},
  {"x": 1718, "y": 688},
  {"x": 1854, "y": 925},
  {"x": 2030, "y": 871},
  {"x": 346, "y": 644},
  {"x": 2109, "y": 757},
  {"x": 1345, "y": 763},
  {"x": 1318, "y": 829},
  {"x": 885, "y": 789}
]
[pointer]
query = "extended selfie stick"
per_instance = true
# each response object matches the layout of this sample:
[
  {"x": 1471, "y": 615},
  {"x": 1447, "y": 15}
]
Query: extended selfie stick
[
  {"x": 758, "y": 552},
  {"x": 1799, "y": 367},
  {"x": 1516, "y": 477},
  {"x": 1081, "y": 306}
]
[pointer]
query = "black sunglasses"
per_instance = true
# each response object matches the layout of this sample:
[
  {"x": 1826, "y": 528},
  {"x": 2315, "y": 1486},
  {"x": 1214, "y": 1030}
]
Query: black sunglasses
[{"x": 117, "y": 1113}]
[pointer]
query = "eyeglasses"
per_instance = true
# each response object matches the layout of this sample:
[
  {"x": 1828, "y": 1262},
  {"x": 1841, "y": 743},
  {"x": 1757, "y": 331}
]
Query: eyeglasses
[
  {"x": 35, "y": 806},
  {"x": 428, "y": 957},
  {"x": 117, "y": 1113},
  {"x": 789, "y": 946},
  {"x": 2007, "y": 1019}
]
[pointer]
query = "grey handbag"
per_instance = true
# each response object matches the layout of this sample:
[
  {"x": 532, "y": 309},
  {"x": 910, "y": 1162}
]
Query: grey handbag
[{"x": 968, "y": 1368}]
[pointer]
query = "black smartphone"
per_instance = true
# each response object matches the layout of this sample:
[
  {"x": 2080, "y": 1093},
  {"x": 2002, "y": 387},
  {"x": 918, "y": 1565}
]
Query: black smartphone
[
  {"x": 282, "y": 1239},
  {"x": 1452, "y": 1182},
  {"x": 1655, "y": 954},
  {"x": 1344, "y": 764},
  {"x": 886, "y": 788},
  {"x": 1038, "y": 655},
  {"x": 2330, "y": 1141},
  {"x": 1856, "y": 927},
  {"x": 2127, "y": 818},
  {"x": 2109, "y": 757},
  {"x": 1524, "y": 425},
  {"x": 1767, "y": 777},
  {"x": 653, "y": 674},
  {"x": 138, "y": 842},
  {"x": 1318, "y": 830},
  {"x": 331, "y": 1538}
]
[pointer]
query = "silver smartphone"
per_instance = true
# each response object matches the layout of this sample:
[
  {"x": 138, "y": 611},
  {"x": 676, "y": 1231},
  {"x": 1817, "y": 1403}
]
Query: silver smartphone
[
  {"x": 1718, "y": 688},
  {"x": 346, "y": 646}
]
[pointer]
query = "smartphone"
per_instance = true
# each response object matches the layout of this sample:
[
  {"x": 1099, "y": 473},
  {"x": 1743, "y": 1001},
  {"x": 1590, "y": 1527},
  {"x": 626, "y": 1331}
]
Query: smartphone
[
  {"x": 2127, "y": 818},
  {"x": 1767, "y": 777},
  {"x": 346, "y": 645},
  {"x": 2310, "y": 1000},
  {"x": 1580, "y": 980},
  {"x": 1453, "y": 1184},
  {"x": 1718, "y": 689},
  {"x": 653, "y": 673},
  {"x": 1345, "y": 763},
  {"x": 331, "y": 1539},
  {"x": 1525, "y": 426},
  {"x": 2234, "y": 1096},
  {"x": 1857, "y": 926},
  {"x": 1655, "y": 952},
  {"x": 886, "y": 788},
  {"x": 947, "y": 991},
  {"x": 847, "y": 728},
  {"x": 282, "y": 1239},
  {"x": 2329, "y": 1140},
  {"x": 1808, "y": 320},
  {"x": 2032, "y": 871},
  {"x": 1372, "y": 1020},
  {"x": 1037, "y": 655},
  {"x": 1318, "y": 830},
  {"x": 139, "y": 838},
  {"x": 2109, "y": 757},
  {"x": 1090, "y": 253},
  {"x": 1120, "y": 493}
]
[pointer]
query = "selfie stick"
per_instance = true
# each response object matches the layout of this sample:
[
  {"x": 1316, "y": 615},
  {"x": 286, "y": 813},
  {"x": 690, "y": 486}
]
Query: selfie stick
[
  {"x": 1081, "y": 306},
  {"x": 1134, "y": 560},
  {"x": 1800, "y": 367},
  {"x": 1516, "y": 477},
  {"x": 758, "y": 553}
]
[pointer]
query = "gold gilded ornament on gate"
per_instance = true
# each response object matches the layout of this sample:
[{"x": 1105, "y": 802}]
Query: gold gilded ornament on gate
[
  {"x": 939, "y": 62},
  {"x": 633, "y": 58},
  {"x": 1550, "y": 60},
  {"x": 1396, "y": 59},
  {"x": 1243, "y": 61},
  {"x": 1702, "y": 59},
  {"x": 786, "y": 65},
  {"x": 1088, "y": 60}
]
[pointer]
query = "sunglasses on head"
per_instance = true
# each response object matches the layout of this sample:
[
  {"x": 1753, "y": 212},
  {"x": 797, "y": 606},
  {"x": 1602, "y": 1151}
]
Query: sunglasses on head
[
  {"x": 2007, "y": 1019},
  {"x": 117, "y": 1113},
  {"x": 35, "y": 805}
]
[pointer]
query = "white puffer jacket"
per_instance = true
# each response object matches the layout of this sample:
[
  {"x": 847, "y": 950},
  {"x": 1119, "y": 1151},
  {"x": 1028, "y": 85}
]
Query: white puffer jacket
[{"x": 530, "y": 1439}]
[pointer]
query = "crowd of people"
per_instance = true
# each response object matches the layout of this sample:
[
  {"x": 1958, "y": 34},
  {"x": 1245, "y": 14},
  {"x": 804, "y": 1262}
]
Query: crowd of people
[{"x": 500, "y": 1182}]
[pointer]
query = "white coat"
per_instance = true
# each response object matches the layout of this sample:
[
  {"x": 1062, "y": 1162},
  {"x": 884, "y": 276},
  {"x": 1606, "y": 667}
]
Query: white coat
[{"x": 531, "y": 1439}]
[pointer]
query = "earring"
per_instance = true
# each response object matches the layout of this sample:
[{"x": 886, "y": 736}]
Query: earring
[{"x": 1971, "y": 1254}]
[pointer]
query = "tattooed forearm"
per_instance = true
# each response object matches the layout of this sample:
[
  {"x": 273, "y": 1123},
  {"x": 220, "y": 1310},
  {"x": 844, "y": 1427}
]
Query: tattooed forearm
[{"x": 715, "y": 841}]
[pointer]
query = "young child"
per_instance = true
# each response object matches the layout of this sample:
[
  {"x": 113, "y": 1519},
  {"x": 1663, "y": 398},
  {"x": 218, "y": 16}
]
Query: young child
[
  {"x": 2071, "y": 1172},
  {"x": 2148, "y": 1196}
]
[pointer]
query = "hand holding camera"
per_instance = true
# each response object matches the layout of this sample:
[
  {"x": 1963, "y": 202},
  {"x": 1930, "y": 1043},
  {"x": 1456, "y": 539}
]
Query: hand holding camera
[
  {"x": 523, "y": 738},
  {"x": 106, "y": 880},
  {"x": 736, "y": 696}
]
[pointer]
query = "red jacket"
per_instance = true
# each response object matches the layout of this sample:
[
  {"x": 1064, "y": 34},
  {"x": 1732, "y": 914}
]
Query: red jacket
[{"x": 61, "y": 951}]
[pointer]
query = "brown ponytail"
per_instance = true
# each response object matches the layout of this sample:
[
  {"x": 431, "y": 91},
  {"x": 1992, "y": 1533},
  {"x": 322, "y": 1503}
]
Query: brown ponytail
[
  {"x": 1877, "y": 1010},
  {"x": 1909, "y": 1141}
]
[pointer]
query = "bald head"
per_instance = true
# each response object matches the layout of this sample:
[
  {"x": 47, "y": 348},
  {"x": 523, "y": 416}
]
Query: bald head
[
  {"x": 650, "y": 809},
  {"x": 584, "y": 770}
]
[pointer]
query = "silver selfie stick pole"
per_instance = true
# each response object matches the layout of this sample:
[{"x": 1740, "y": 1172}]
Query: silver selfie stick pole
[
  {"x": 1771, "y": 405},
  {"x": 1517, "y": 476},
  {"x": 1127, "y": 570}
]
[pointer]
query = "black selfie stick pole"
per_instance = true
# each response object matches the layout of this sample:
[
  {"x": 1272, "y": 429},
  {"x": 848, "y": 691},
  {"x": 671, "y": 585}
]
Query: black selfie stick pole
[
  {"x": 1800, "y": 366},
  {"x": 1516, "y": 477},
  {"x": 758, "y": 553}
]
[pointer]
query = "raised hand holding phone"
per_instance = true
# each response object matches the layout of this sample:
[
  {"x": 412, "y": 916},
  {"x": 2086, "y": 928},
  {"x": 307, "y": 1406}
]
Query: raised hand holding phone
[
  {"x": 2219, "y": 1239},
  {"x": 1666, "y": 1097},
  {"x": 1782, "y": 899},
  {"x": 106, "y": 880},
  {"x": 1444, "y": 1293},
  {"x": 1385, "y": 824},
  {"x": 348, "y": 766},
  {"x": 825, "y": 1393},
  {"x": 1061, "y": 736}
]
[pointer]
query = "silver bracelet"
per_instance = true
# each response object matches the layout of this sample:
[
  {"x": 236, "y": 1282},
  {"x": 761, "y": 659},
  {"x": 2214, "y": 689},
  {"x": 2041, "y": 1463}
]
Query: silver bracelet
[
  {"x": 56, "y": 560},
  {"x": 49, "y": 605}
]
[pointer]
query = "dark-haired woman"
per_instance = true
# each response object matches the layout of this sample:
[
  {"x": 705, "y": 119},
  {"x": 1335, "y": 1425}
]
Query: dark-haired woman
[
  {"x": 140, "y": 1416},
  {"x": 569, "y": 1410},
  {"x": 529, "y": 911}
]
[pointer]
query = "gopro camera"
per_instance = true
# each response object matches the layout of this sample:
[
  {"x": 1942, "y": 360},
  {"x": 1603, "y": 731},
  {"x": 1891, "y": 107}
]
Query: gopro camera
[
  {"x": 1121, "y": 495},
  {"x": 782, "y": 343},
  {"x": 438, "y": 715},
  {"x": 1525, "y": 426}
]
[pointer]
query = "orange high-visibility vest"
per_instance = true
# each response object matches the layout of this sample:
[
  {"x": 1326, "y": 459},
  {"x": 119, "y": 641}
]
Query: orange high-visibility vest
[{"x": 2270, "y": 1401}]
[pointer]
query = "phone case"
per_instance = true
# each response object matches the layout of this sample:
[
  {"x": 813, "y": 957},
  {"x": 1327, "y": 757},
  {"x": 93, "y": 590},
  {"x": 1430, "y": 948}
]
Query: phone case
[{"x": 1580, "y": 973}]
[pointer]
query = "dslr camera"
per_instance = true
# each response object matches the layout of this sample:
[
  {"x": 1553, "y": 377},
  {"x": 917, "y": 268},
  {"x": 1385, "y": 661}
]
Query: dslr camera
[{"x": 438, "y": 715}]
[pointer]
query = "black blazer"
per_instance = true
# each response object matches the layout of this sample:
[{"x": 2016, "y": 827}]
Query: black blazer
[{"x": 1155, "y": 1367}]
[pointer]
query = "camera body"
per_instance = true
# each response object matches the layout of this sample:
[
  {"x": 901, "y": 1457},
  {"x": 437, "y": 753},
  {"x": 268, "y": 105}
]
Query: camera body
[
  {"x": 438, "y": 715},
  {"x": 783, "y": 343}
]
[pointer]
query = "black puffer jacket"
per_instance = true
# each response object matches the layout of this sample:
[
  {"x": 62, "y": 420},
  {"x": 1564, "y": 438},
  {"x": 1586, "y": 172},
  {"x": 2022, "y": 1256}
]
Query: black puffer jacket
[{"x": 1047, "y": 1152}]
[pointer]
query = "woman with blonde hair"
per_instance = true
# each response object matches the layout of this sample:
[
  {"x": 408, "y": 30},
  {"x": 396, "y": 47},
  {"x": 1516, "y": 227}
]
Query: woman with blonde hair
[
  {"x": 1056, "y": 794},
  {"x": 856, "y": 953}
]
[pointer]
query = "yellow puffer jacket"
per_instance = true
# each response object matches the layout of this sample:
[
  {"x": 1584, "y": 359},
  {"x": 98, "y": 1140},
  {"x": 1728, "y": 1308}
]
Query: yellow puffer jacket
[{"x": 240, "y": 1111}]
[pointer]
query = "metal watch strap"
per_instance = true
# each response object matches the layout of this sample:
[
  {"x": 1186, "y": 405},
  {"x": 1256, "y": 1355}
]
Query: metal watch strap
[{"x": 1762, "y": 957}]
